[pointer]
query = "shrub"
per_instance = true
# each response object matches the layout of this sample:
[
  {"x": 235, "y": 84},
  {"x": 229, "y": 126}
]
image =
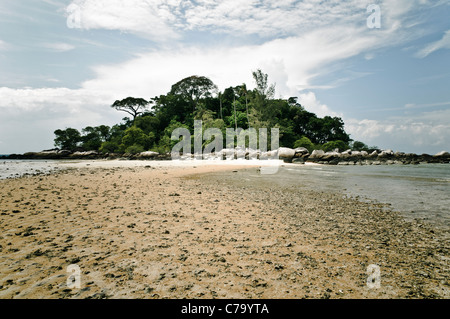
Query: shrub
[
  {"x": 306, "y": 143},
  {"x": 359, "y": 146},
  {"x": 134, "y": 149},
  {"x": 109, "y": 147},
  {"x": 330, "y": 146}
]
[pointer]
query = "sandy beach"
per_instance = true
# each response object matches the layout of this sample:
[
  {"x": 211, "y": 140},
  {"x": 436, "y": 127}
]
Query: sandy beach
[{"x": 153, "y": 231}]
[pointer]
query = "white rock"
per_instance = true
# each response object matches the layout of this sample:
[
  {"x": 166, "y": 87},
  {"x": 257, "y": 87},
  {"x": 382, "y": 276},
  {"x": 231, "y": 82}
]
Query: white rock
[
  {"x": 148, "y": 154},
  {"x": 317, "y": 153},
  {"x": 301, "y": 150},
  {"x": 334, "y": 153},
  {"x": 240, "y": 153},
  {"x": 284, "y": 152},
  {"x": 269, "y": 155},
  {"x": 387, "y": 153},
  {"x": 347, "y": 152},
  {"x": 85, "y": 153}
]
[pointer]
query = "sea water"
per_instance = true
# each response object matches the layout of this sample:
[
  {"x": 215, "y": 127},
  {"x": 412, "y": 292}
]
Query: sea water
[
  {"x": 417, "y": 191},
  {"x": 19, "y": 168}
]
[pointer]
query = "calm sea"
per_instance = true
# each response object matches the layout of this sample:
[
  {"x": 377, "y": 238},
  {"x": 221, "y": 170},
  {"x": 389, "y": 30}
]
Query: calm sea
[
  {"x": 417, "y": 191},
  {"x": 18, "y": 168}
]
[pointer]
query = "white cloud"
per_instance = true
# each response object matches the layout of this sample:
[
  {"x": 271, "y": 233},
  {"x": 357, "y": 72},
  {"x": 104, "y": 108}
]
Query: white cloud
[
  {"x": 318, "y": 35},
  {"x": 268, "y": 18},
  {"x": 53, "y": 80},
  {"x": 428, "y": 131},
  {"x": 428, "y": 105},
  {"x": 291, "y": 63},
  {"x": 366, "y": 129},
  {"x": 4, "y": 46},
  {"x": 163, "y": 20},
  {"x": 58, "y": 46},
  {"x": 30, "y": 116},
  {"x": 313, "y": 34},
  {"x": 443, "y": 43},
  {"x": 150, "y": 19},
  {"x": 311, "y": 104},
  {"x": 58, "y": 102}
]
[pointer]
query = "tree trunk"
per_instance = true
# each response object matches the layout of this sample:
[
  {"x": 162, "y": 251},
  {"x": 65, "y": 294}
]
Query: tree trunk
[
  {"x": 246, "y": 106},
  {"x": 235, "y": 118}
]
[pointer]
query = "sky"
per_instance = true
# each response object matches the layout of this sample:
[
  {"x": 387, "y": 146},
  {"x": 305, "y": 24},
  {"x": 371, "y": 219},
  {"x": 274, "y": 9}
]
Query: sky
[{"x": 382, "y": 66}]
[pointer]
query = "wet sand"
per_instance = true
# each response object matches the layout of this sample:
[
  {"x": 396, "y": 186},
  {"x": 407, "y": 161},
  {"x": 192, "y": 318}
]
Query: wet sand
[{"x": 151, "y": 231}]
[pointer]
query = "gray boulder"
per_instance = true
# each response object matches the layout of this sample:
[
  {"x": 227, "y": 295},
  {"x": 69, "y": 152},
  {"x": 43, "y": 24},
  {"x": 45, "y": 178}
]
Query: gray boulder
[
  {"x": 286, "y": 153},
  {"x": 85, "y": 155},
  {"x": 269, "y": 154},
  {"x": 227, "y": 153},
  {"x": 317, "y": 154},
  {"x": 240, "y": 153},
  {"x": 298, "y": 161},
  {"x": 386, "y": 153},
  {"x": 355, "y": 154},
  {"x": 251, "y": 154},
  {"x": 300, "y": 152},
  {"x": 347, "y": 152},
  {"x": 148, "y": 155},
  {"x": 333, "y": 153}
]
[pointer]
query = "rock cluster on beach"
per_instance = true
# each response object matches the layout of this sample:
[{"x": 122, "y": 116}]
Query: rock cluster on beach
[
  {"x": 57, "y": 154},
  {"x": 386, "y": 157},
  {"x": 299, "y": 155}
]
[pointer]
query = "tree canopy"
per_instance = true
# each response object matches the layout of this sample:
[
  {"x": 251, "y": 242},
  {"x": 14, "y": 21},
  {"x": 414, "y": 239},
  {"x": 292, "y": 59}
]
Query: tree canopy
[
  {"x": 131, "y": 105},
  {"x": 197, "y": 97},
  {"x": 194, "y": 88}
]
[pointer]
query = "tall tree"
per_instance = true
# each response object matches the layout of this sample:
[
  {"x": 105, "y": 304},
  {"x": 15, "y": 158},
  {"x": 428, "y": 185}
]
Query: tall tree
[
  {"x": 194, "y": 88},
  {"x": 262, "y": 85},
  {"x": 67, "y": 139},
  {"x": 244, "y": 92},
  {"x": 220, "y": 102},
  {"x": 132, "y": 106},
  {"x": 263, "y": 94}
]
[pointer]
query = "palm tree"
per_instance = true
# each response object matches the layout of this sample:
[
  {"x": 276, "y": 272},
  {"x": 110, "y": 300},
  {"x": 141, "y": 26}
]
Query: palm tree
[
  {"x": 220, "y": 101},
  {"x": 235, "y": 118},
  {"x": 243, "y": 91}
]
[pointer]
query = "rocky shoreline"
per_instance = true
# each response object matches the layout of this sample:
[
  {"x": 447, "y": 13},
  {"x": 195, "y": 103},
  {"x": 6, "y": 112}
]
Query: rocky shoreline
[
  {"x": 387, "y": 157},
  {"x": 288, "y": 155}
]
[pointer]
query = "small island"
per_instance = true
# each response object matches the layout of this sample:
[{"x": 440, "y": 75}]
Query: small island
[
  {"x": 146, "y": 134},
  {"x": 121, "y": 219}
]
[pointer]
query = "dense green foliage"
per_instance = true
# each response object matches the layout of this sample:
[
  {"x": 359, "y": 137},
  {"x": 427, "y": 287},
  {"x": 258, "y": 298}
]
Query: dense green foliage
[{"x": 197, "y": 98}]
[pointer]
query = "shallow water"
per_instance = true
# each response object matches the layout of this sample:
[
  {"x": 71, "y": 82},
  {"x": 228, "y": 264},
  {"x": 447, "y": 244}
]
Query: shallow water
[
  {"x": 18, "y": 168},
  {"x": 417, "y": 191}
]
